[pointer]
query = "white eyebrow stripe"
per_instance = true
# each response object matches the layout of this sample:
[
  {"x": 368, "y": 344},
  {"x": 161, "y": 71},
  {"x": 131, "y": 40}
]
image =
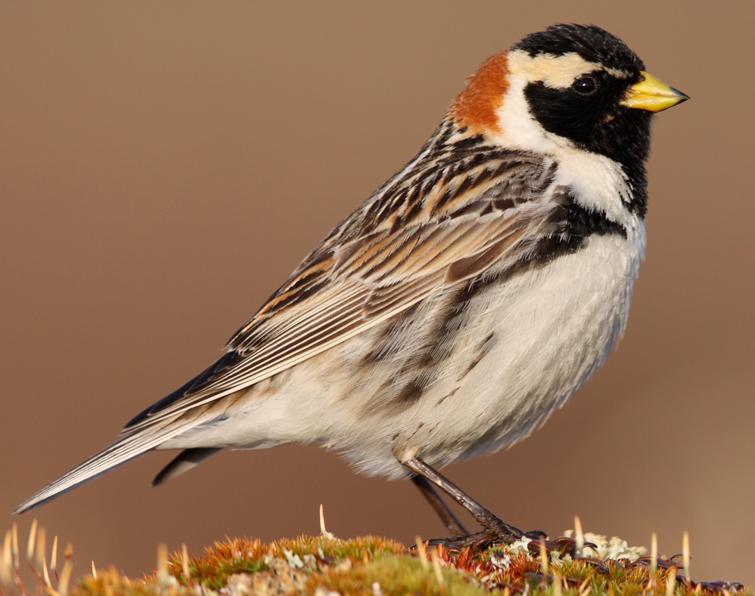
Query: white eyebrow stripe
[{"x": 555, "y": 71}]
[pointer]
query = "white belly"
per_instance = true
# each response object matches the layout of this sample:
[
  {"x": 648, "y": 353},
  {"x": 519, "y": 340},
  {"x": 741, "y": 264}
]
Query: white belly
[
  {"x": 555, "y": 326},
  {"x": 552, "y": 326}
]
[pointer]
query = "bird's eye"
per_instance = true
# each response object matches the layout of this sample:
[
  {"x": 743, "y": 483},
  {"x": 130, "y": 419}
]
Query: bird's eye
[{"x": 585, "y": 85}]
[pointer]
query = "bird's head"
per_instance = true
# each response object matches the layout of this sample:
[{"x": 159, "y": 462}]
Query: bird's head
[{"x": 568, "y": 86}]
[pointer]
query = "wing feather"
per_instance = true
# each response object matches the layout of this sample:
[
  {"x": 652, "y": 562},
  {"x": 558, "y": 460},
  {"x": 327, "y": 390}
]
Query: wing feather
[{"x": 361, "y": 276}]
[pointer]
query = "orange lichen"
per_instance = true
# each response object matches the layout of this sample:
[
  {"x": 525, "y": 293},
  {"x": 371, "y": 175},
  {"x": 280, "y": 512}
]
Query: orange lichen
[{"x": 476, "y": 106}]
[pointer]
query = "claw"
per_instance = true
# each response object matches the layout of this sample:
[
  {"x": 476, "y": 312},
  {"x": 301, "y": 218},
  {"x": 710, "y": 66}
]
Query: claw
[
  {"x": 477, "y": 541},
  {"x": 505, "y": 534}
]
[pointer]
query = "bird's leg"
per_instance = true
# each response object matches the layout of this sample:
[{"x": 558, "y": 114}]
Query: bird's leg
[
  {"x": 491, "y": 524},
  {"x": 440, "y": 507}
]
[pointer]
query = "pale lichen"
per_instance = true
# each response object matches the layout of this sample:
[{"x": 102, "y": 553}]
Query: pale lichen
[{"x": 612, "y": 549}]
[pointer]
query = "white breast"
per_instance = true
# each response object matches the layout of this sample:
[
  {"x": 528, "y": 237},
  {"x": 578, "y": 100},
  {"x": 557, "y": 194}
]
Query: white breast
[{"x": 553, "y": 327}]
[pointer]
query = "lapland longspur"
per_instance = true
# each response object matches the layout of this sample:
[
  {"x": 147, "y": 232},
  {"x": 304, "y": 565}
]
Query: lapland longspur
[{"x": 462, "y": 303}]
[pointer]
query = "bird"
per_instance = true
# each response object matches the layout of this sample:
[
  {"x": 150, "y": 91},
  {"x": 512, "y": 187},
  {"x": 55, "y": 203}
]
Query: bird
[{"x": 461, "y": 304}]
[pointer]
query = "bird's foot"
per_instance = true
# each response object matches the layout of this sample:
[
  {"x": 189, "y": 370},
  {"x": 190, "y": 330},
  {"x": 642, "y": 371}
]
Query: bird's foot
[
  {"x": 496, "y": 531},
  {"x": 507, "y": 535},
  {"x": 477, "y": 541}
]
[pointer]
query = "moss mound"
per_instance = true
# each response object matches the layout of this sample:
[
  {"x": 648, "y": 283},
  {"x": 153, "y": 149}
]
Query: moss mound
[
  {"x": 371, "y": 565},
  {"x": 326, "y": 566}
]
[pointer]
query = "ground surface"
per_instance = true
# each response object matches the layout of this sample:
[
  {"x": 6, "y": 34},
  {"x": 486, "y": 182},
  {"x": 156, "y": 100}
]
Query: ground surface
[{"x": 325, "y": 565}]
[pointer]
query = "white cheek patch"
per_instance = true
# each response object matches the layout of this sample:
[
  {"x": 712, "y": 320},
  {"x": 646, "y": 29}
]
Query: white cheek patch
[
  {"x": 518, "y": 127},
  {"x": 557, "y": 72}
]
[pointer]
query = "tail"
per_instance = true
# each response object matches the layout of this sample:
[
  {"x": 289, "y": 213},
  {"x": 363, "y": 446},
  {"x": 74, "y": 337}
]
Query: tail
[
  {"x": 120, "y": 452},
  {"x": 183, "y": 462}
]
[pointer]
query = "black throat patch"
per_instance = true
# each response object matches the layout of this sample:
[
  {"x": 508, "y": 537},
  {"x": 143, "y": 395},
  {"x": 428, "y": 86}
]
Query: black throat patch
[{"x": 572, "y": 224}]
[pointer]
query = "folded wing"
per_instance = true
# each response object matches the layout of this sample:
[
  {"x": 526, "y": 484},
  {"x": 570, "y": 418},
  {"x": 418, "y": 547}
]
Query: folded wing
[{"x": 385, "y": 266}]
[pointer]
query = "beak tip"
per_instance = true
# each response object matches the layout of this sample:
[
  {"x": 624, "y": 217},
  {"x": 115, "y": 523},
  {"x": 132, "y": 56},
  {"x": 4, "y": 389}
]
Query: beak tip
[{"x": 681, "y": 94}]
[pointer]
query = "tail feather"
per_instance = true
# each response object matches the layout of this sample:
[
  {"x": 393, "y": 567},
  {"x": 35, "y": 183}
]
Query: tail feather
[
  {"x": 183, "y": 462},
  {"x": 120, "y": 452}
]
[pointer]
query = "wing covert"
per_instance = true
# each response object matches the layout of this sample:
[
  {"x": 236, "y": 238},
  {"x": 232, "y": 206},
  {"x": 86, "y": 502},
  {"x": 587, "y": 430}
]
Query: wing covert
[{"x": 371, "y": 268}]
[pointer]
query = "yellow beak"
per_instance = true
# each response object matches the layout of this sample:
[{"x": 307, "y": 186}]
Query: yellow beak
[{"x": 652, "y": 95}]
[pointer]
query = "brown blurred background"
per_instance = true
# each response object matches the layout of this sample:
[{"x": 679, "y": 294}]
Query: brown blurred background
[{"x": 164, "y": 165}]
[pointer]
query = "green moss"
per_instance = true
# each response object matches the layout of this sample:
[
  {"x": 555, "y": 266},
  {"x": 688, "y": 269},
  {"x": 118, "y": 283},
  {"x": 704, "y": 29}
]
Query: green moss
[
  {"x": 329, "y": 548},
  {"x": 395, "y": 575},
  {"x": 217, "y": 577}
]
